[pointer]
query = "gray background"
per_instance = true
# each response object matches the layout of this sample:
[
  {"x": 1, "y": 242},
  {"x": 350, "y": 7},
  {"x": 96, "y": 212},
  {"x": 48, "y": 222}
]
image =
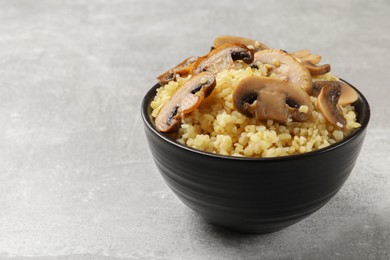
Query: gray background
[{"x": 76, "y": 177}]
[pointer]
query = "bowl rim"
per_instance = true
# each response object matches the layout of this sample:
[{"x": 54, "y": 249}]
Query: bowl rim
[{"x": 145, "y": 104}]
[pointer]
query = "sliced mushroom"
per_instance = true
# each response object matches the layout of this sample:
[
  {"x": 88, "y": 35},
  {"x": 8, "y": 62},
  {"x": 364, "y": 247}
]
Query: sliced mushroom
[
  {"x": 288, "y": 68},
  {"x": 268, "y": 98},
  {"x": 316, "y": 70},
  {"x": 222, "y": 58},
  {"x": 310, "y": 62},
  {"x": 185, "y": 100},
  {"x": 348, "y": 94},
  {"x": 241, "y": 40},
  {"x": 306, "y": 55},
  {"x": 328, "y": 104},
  {"x": 183, "y": 69}
]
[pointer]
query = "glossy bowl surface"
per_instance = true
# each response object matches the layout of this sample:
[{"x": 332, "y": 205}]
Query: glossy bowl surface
[{"x": 254, "y": 195}]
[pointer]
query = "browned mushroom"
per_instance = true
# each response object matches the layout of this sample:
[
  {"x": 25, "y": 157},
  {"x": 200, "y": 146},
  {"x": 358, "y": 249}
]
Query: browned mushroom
[
  {"x": 252, "y": 44},
  {"x": 316, "y": 70},
  {"x": 348, "y": 94},
  {"x": 306, "y": 55},
  {"x": 222, "y": 58},
  {"x": 185, "y": 100},
  {"x": 286, "y": 68},
  {"x": 328, "y": 104},
  {"x": 183, "y": 69},
  {"x": 310, "y": 62},
  {"x": 268, "y": 98}
]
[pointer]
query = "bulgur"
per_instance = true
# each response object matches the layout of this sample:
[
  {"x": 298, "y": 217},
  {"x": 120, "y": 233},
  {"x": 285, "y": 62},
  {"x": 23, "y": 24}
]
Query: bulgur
[{"x": 217, "y": 127}]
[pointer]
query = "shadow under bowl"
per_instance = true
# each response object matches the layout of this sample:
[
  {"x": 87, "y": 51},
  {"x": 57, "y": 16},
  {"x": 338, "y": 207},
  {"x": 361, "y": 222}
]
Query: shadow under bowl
[{"x": 254, "y": 195}]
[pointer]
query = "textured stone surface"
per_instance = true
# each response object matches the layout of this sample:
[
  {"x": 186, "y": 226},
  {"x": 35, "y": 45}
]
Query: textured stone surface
[{"x": 76, "y": 177}]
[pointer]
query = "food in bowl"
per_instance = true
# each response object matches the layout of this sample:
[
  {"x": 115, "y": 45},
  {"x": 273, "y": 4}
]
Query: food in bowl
[
  {"x": 248, "y": 100},
  {"x": 249, "y": 192}
]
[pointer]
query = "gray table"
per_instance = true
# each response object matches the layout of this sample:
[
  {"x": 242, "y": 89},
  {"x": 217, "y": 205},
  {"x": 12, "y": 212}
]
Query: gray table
[{"x": 76, "y": 177}]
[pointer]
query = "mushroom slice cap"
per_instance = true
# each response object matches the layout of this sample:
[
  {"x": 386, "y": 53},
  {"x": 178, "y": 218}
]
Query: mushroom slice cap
[
  {"x": 310, "y": 62},
  {"x": 268, "y": 98},
  {"x": 289, "y": 68},
  {"x": 306, "y": 55},
  {"x": 223, "y": 39},
  {"x": 185, "y": 100},
  {"x": 183, "y": 69},
  {"x": 316, "y": 70},
  {"x": 348, "y": 94},
  {"x": 222, "y": 58},
  {"x": 327, "y": 104}
]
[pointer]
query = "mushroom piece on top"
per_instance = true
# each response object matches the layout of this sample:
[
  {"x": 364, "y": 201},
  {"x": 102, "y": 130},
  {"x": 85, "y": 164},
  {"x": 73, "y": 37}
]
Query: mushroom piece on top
[
  {"x": 222, "y": 58},
  {"x": 348, "y": 94},
  {"x": 183, "y": 69},
  {"x": 268, "y": 98},
  {"x": 285, "y": 67},
  {"x": 310, "y": 62},
  {"x": 185, "y": 100},
  {"x": 252, "y": 44},
  {"x": 316, "y": 70},
  {"x": 328, "y": 104}
]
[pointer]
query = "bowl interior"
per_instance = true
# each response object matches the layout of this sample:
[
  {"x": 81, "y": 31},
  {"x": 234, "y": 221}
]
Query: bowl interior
[
  {"x": 361, "y": 107},
  {"x": 255, "y": 195}
]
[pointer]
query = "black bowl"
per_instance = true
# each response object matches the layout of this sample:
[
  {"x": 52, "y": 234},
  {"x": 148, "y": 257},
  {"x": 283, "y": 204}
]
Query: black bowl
[{"x": 254, "y": 195}]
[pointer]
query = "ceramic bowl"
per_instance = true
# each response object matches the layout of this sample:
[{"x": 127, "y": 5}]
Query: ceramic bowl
[{"x": 254, "y": 195}]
